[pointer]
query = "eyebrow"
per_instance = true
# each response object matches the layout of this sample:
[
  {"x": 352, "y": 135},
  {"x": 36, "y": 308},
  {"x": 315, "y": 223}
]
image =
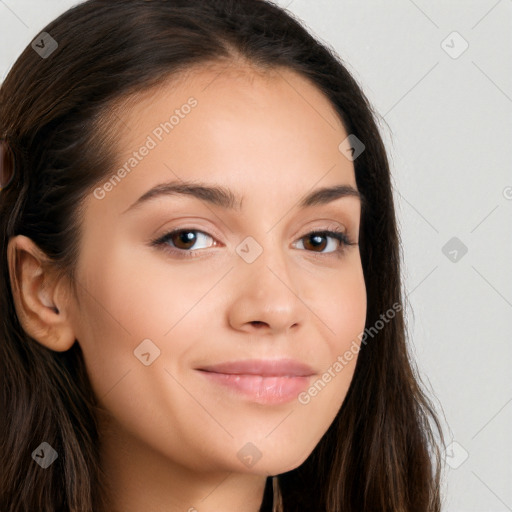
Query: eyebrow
[{"x": 225, "y": 198}]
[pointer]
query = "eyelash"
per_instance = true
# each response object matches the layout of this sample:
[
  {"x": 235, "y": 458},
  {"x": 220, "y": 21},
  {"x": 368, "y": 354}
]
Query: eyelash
[{"x": 334, "y": 232}]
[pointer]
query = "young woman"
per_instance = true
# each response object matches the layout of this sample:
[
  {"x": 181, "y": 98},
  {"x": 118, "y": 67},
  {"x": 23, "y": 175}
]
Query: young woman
[{"x": 200, "y": 273}]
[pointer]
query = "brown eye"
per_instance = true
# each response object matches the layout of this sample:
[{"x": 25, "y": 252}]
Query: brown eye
[
  {"x": 315, "y": 241},
  {"x": 183, "y": 239},
  {"x": 319, "y": 241}
]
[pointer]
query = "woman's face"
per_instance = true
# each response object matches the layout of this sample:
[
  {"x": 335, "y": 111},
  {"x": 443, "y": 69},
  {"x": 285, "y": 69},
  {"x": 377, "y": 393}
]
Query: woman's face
[{"x": 245, "y": 280}]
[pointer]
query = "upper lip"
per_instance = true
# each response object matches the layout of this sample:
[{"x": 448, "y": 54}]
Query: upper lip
[{"x": 263, "y": 367}]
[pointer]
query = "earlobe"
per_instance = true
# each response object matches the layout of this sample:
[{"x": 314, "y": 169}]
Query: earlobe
[{"x": 39, "y": 299}]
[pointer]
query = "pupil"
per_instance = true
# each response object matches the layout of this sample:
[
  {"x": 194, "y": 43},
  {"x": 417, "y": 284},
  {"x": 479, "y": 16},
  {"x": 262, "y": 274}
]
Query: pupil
[
  {"x": 317, "y": 240},
  {"x": 187, "y": 237}
]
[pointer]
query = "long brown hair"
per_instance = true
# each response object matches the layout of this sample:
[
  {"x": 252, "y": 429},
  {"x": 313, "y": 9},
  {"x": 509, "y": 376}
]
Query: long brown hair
[{"x": 381, "y": 453}]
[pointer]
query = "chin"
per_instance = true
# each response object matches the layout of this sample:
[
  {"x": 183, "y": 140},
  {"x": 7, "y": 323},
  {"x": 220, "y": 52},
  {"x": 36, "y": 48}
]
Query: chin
[{"x": 277, "y": 463}]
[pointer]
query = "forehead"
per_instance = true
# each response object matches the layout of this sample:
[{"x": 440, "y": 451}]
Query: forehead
[
  {"x": 261, "y": 133},
  {"x": 228, "y": 92}
]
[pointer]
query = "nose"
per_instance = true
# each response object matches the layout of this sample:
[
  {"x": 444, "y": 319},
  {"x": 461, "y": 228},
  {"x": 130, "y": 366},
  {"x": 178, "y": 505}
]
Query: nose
[{"x": 265, "y": 297}]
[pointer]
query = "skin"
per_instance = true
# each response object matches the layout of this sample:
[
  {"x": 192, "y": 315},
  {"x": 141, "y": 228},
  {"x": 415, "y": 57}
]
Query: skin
[{"x": 169, "y": 437}]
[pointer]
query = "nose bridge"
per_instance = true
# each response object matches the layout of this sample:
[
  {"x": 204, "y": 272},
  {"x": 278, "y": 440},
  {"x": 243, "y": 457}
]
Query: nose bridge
[
  {"x": 266, "y": 290},
  {"x": 266, "y": 260}
]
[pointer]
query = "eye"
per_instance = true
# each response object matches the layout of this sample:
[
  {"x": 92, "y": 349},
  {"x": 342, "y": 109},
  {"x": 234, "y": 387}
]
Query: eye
[
  {"x": 184, "y": 242},
  {"x": 319, "y": 240},
  {"x": 184, "y": 239}
]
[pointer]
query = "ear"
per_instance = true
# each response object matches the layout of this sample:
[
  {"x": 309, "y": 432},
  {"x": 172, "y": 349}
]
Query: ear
[{"x": 41, "y": 297}]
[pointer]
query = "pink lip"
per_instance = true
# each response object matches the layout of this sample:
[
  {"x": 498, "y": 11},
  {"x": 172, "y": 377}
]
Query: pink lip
[
  {"x": 263, "y": 367},
  {"x": 263, "y": 381}
]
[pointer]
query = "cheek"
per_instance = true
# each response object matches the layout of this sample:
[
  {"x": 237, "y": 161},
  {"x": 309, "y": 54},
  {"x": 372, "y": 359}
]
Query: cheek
[
  {"x": 127, "y": 299},
  {"x": 341, "y": 306}
]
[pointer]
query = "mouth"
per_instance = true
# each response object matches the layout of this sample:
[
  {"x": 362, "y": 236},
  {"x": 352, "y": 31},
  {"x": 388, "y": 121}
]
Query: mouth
[{"x": 262, "y": 381}]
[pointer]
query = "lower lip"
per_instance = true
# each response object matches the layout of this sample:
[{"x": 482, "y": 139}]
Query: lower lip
[{"x": 264, "y": 390}]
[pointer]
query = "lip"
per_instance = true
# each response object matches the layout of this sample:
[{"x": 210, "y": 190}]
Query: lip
[
  {"x": 263, "y": 368},
  {"x": 261, "y": 381}
]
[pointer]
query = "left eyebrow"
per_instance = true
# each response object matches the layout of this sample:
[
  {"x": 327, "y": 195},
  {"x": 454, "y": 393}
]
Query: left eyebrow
[
  {"x": 327, "y": 194},
  {"x": 226, "y": 198}
]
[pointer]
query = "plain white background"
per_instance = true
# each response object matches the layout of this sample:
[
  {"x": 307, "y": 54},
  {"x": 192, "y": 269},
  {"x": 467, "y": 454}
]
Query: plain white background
[{"x": 439, "y": 75}]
